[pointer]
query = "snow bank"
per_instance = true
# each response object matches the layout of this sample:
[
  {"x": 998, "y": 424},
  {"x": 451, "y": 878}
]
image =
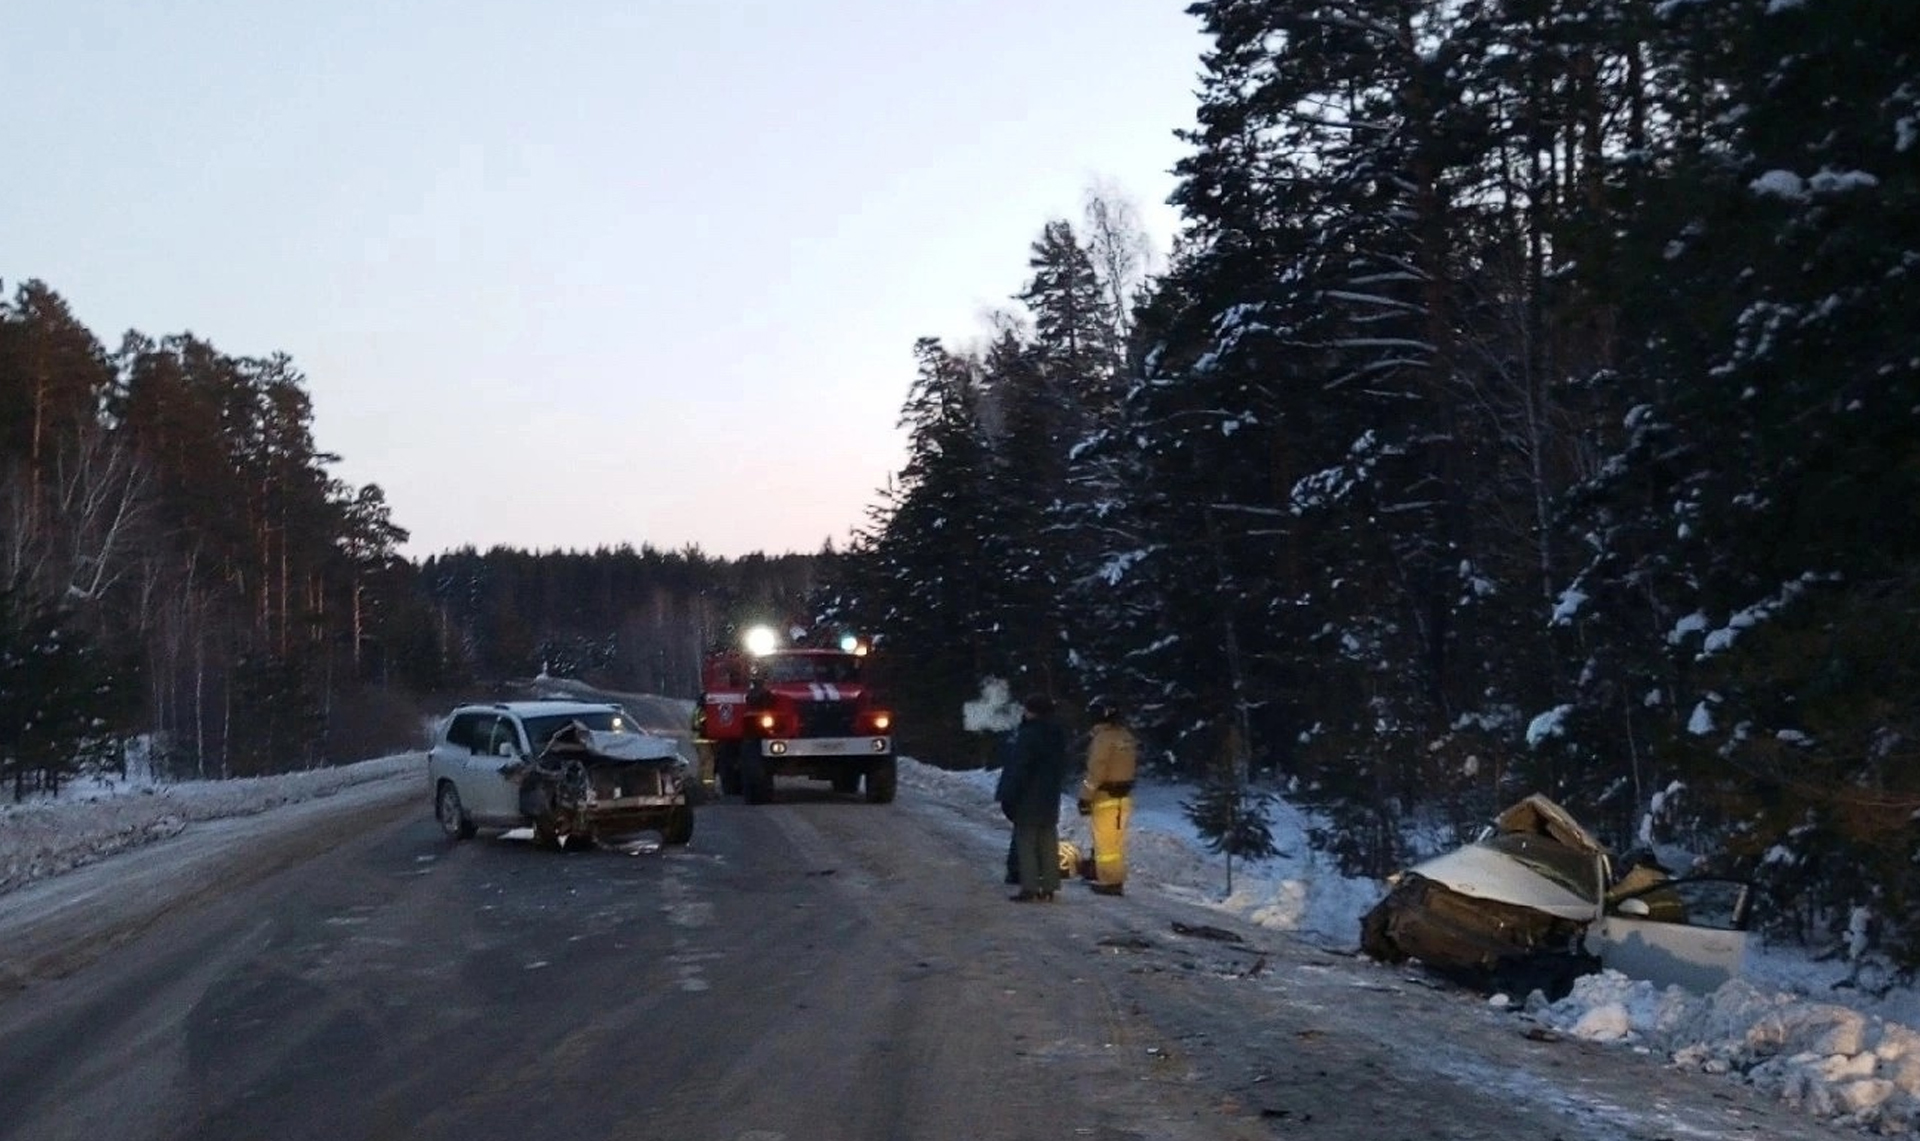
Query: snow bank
[
  {"x": 1831, "y": 1060},
  {"x": 93, "y": 819}
]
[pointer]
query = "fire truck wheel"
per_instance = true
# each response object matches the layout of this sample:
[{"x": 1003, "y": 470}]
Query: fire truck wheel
[
  {"x": 679, "y": 829},
  {"x": 757, "y": 781},
  {"x": 881, "y": 778}
]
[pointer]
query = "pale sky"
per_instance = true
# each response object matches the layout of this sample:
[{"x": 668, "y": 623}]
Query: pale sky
[{"x": 573, "y": 273}]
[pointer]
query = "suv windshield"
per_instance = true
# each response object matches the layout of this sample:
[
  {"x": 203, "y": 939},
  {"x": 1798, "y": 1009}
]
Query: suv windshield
[{"x": 540, "y": 730}]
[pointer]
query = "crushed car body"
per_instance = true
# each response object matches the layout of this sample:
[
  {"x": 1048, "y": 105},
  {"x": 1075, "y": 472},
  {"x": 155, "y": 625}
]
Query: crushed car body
[{"x": 1536, "y": 902}]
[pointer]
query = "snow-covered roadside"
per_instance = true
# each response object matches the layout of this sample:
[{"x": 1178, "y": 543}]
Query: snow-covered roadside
[
  {"x": 94, "y": 819},
  {"x": 1836, "y": 1054}
]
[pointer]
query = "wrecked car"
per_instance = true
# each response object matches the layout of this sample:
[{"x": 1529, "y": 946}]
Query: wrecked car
[
  {"x": 576, "y": 773},
  {"x": 1536, "y": 902}
]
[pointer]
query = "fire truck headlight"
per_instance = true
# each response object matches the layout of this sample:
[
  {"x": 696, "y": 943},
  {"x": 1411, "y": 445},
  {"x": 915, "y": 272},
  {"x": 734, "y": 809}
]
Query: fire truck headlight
[
  {"x": 881, "y": 721},
  {"x": 766, "y": 722},
  {"x": 761, "y": 640}
]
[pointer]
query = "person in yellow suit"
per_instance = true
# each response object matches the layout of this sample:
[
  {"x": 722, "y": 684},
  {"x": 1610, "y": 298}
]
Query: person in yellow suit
[{"x": 1106, "y": 795}]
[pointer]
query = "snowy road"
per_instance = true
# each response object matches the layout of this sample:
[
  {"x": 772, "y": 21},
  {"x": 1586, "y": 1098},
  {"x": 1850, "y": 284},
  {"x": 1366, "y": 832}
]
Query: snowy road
[{"x": 814, "y": 969}]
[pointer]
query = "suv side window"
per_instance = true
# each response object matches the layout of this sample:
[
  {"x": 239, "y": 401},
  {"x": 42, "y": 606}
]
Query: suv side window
[
  {"x": 508, "y": 729},
  {"x": 464, "y": 731},
  {"x": 490, "y": 736},
  {"x": 487, "y": 731},
  {"x": 498, "y": 731}
]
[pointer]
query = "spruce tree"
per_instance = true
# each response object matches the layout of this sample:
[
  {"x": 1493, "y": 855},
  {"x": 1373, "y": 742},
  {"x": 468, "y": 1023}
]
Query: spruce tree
[
  {"x": 1759, "y": 515},
  {"x": 930, "y": 571},
  {"x": 63, "y": 699}
]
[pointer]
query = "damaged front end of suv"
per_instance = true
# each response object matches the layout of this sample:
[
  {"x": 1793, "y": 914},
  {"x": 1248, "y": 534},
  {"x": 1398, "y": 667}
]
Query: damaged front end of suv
[{"x": 610, "y": 789}]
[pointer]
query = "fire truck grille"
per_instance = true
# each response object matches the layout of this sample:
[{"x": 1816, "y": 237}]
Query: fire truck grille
[{"x": 826, "y": 718}]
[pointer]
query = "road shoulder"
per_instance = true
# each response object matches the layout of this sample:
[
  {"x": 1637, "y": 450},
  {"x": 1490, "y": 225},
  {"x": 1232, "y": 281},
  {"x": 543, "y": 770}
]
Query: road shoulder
[{"x": 52, "y": 927}]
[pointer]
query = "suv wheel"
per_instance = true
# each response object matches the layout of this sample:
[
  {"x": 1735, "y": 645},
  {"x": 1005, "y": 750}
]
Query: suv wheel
[
  {"x": 452, "y": 816},
  {"x": 679, "y": 829}
]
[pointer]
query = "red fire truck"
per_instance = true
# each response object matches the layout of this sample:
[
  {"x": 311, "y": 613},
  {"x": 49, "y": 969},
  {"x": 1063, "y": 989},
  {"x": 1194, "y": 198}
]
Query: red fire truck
[{"x": 770, "y": 710}]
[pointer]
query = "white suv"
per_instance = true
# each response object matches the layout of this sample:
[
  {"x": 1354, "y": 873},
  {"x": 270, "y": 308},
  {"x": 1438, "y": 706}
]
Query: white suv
[{"x": 572, "y": 771}]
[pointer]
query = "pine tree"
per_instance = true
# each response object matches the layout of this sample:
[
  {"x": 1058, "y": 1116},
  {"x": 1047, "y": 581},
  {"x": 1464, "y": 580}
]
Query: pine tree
[{"x": 369, "y": 542}]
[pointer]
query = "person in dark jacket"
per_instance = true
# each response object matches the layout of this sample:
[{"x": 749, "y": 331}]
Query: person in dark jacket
[
  {"x": 1003, "y": 756},
  {"x": 1033, "y": 782}
]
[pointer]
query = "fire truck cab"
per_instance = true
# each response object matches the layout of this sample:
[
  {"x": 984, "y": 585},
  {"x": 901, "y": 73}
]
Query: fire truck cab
[{"x": 769, "y": 710}]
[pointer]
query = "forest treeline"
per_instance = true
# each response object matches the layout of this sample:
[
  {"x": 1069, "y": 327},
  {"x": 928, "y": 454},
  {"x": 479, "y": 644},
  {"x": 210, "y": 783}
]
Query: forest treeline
[
  {"x": 1531, "y": 402},
  {"x": 178, "y": 567}
]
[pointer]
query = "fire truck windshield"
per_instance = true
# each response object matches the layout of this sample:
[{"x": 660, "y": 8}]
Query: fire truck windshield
[{"x": 837, "y": 669}]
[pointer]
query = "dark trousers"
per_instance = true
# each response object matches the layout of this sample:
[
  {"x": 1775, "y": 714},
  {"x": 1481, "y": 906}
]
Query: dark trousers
[{"x": 1036, "y": 845}]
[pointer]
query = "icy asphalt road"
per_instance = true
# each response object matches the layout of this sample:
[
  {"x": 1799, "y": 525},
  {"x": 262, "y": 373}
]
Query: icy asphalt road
[{"x": 814, "y": 969}]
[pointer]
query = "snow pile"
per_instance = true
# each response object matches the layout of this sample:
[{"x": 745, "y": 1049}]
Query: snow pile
[
  {"x": 1831, "y": 1060},
  {"x": 94, "y": 818}
]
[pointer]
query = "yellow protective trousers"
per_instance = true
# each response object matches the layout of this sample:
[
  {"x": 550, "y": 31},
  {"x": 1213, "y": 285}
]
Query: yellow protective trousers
[{"x": 1107, "y": 819}]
